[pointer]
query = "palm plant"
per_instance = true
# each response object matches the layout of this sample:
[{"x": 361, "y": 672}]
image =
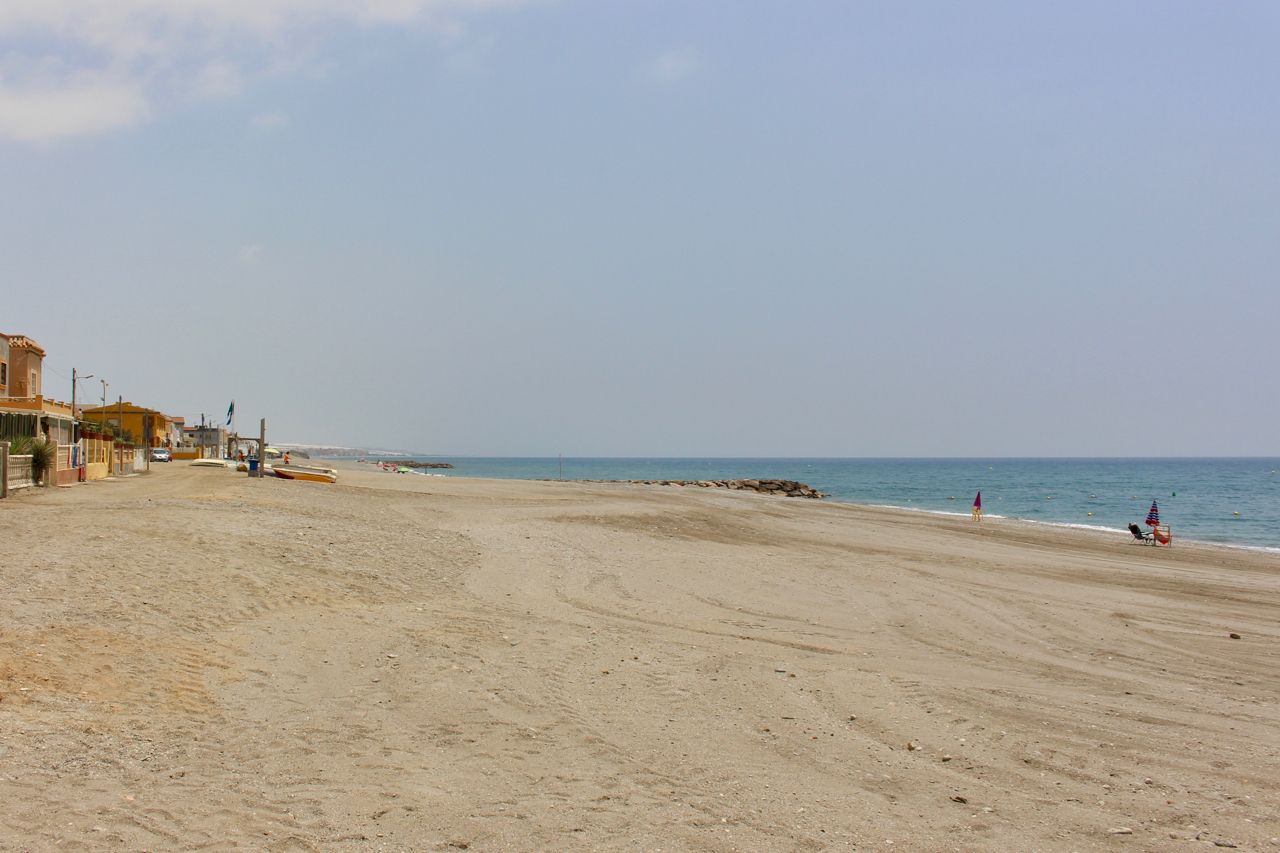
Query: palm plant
[{"x": 40, "y": 451}]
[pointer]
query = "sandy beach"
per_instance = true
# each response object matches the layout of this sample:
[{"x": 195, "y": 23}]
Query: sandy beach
[{"x": 192, "y": 660}]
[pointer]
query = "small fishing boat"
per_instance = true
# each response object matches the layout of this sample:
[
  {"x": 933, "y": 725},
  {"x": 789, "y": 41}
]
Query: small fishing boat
[
  {"x": 211, "y": 463},
  {"x": 305, "y": 472}
]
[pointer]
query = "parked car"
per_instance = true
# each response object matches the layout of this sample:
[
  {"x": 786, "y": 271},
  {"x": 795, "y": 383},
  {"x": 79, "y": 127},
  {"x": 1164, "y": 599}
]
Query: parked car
[{"x": 161, "y": 454}]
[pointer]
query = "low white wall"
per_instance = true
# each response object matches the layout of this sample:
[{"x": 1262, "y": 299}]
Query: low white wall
[{"x": 20, "y": 472}]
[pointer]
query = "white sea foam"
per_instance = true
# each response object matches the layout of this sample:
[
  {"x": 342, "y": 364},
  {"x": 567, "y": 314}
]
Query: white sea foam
[{"x": 990, "y": 515}]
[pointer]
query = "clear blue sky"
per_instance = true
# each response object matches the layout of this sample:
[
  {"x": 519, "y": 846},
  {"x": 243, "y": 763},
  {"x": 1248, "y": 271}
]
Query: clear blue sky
[{"x": 645, "y": 227}]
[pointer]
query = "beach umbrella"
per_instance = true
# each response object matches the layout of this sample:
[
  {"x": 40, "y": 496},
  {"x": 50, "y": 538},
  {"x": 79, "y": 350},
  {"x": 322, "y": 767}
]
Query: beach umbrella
[
  {"x": 1153, "y": 517},
  {"x": 977, "y": 502}
]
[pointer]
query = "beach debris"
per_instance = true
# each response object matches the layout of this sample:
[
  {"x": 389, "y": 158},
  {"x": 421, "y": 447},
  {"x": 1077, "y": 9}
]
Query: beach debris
[
  {"x": 946, "y": 758},
  {"x": 959, "y": 799},
  {"x": 1120, "y": 830},
  {"x": 912, "y": 746},
  {"x": 1234, "y": 636}
]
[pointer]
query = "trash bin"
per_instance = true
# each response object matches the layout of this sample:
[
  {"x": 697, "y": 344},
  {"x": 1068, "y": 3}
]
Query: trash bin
[{"x": 253, "y": 465}]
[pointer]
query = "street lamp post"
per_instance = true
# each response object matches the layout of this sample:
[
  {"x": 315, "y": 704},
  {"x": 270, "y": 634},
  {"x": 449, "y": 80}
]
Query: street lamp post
[{"x": 73, "y": 390}]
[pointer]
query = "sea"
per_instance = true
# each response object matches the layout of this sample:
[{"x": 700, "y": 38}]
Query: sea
[{"x": 1229, "y": 501}]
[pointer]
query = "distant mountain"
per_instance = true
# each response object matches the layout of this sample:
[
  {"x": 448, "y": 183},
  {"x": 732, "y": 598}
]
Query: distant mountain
[{"x": 326, "y": 450}]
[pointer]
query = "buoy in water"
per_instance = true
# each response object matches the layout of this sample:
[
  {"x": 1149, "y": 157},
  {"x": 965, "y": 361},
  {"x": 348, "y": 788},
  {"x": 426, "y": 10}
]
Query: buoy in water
[
  {"x": 1090, "y": 513},
  {"x": 1093, "y": 496},
  {"x": 1235, "y": 513},
  {"x": 953, "y": 497}
]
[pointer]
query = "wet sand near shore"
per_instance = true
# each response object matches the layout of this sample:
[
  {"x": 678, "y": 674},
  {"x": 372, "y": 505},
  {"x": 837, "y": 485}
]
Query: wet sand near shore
[{"x": 192, "y": 660}]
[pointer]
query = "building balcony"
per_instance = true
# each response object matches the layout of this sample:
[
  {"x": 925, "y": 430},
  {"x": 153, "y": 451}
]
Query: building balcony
[{"x": 37, "y": 405}]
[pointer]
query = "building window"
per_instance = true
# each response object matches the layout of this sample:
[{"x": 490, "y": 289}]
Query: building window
[{"x": 4, "y": 374}]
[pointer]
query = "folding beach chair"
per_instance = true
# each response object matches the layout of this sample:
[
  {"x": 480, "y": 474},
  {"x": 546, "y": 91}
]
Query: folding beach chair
[
  {"x": 1139, "y": 535},
  {"x": 1162, "y": 534}
]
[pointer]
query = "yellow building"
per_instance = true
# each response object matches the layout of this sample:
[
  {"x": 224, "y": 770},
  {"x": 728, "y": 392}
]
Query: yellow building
[{"x": 136, "y": 419}]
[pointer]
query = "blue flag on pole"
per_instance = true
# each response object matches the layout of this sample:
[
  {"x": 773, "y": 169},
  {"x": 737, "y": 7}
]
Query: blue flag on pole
[{"x": 231, "y": 410}]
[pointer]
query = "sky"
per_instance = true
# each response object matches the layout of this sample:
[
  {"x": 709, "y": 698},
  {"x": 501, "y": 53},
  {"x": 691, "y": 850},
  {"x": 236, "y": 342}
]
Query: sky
[{"x": 655, "y": 228}]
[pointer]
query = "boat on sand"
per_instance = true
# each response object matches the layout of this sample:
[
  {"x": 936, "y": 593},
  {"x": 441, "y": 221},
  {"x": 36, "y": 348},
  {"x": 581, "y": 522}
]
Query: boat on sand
[{"x": 305, "y": 472}]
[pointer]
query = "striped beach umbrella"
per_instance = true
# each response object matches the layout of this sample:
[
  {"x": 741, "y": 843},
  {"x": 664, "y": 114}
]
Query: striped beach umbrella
[{"x": 1153, "y": 517}]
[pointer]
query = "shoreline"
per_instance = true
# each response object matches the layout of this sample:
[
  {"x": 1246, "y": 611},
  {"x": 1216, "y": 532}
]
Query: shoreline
[
  {"x": 1084, "y": 528},
  {"x": 192, "y": 658},
  {"x": 1179, "y": 541}
]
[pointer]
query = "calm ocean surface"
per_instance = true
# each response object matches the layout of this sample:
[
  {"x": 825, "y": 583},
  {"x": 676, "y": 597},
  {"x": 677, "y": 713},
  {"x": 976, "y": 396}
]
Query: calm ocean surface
[{"x": 1198, "y": 498}]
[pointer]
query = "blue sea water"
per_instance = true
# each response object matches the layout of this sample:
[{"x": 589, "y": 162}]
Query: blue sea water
[{"x": 1198, "y": 498}]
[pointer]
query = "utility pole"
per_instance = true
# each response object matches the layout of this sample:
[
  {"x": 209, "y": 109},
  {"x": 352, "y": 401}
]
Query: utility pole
[
  {"x": 73, "y": 390},
  {"x": 104, "y": 398},
  {"x": 262, "y": 448}
]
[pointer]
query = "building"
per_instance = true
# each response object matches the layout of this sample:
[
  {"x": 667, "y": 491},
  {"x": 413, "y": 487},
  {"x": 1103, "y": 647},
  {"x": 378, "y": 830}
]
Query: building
[
  {"x": 149, "y": 427},
  {"x": 26, "y": 363},
  {"x": 24, "y": 410},
  {"x": 212, "y": 438}
]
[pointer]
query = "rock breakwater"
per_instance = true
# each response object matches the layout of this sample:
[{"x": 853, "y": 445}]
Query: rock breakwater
[
  {"x": 409, "y": 463},
  {"x": 781, "y": 488}
]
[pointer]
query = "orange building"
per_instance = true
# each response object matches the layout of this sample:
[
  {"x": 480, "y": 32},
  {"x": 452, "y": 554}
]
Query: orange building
[{"x": 24, "y": 410}]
